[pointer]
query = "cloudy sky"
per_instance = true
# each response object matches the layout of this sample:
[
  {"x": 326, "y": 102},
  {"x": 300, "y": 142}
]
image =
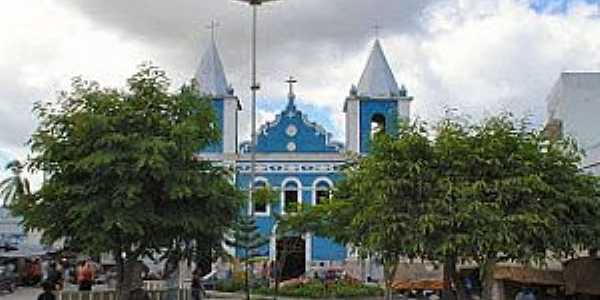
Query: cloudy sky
[{"x": 479, "y": 56}]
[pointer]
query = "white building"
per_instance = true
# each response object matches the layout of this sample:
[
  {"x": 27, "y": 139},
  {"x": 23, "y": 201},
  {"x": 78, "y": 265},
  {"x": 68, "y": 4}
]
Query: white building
[{"x": 574, "y": 110}]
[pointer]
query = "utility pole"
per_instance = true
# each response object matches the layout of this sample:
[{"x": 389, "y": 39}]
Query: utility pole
[{"x": 254, "y": 87}]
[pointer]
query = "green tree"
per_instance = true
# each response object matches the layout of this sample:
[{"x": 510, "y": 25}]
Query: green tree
[
  {"x": 16, "y": 186},
  {"x": 247, "y": 238},
  {"x": 375, "y": 204},
  {"x": 486, "y": 192},
  {"x": 245, "y": 235},
  {"x": 123, "y": 173},
  {"x": 502, "y": 193}
]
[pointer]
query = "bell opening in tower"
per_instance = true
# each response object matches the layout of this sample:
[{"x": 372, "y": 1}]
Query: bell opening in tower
[{"x": 377, "y": 125}]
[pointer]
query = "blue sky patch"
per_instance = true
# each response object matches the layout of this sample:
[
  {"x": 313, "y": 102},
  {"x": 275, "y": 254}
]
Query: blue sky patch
[{"x": 556, "y": 6}]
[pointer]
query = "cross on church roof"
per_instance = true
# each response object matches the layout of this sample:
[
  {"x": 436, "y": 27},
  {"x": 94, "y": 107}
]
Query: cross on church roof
[
  {"x": 213, "y": 27},
  {"x": 291, "y": 82},
  {"x": 291, "y": 96},
  {"x": 377, "y": 28}
]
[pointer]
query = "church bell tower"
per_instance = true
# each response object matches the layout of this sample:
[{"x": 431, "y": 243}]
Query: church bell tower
[
  {"x": 212, "y": 82},
  {"x": 376, "y": 105}
]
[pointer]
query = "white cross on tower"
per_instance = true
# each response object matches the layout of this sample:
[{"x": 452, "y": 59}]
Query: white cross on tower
[
  {"x": 377, "y": 28},
  {"x": 213, "y": 27}
]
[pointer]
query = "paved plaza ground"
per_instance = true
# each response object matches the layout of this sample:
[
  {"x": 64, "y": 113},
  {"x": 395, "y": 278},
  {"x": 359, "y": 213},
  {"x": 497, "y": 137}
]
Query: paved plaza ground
[
  {"x": 32, "y": 294},
  {"x": 22, "y": 294}
]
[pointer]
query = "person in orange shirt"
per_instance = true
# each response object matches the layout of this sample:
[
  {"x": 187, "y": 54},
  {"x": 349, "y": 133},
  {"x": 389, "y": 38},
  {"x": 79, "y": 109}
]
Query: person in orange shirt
[{"x": 85, "y": 276}]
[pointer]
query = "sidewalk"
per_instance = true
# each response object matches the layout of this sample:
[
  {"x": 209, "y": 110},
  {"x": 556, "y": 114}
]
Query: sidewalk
[{"x": 241, "y": 296}]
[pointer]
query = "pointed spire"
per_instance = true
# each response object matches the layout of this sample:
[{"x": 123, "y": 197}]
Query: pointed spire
[
  {"x": 377, "y": 80},
  {"x": 210, "y": 75}
]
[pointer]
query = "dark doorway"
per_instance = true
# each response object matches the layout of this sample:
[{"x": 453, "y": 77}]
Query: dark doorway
[{"x": 291, "y": 255}]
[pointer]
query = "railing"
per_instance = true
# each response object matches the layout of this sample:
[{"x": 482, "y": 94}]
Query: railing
[{"x": 181, "y": 294}]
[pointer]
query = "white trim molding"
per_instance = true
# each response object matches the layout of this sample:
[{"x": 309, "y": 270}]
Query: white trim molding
[
  {"x": 304, "y": 168},
  {"x": 273, "y": 243},
  {"x": 308, "y": 253},
  {"x": 229, "y": 131}
]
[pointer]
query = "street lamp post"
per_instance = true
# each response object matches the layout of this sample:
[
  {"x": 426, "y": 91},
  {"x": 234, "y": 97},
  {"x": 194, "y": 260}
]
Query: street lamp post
[{"x": 254, "y": 87}]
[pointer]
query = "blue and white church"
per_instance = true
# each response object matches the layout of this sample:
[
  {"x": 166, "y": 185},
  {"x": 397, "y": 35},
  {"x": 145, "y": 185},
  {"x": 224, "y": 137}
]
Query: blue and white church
[{"x": 296, "y": 156}]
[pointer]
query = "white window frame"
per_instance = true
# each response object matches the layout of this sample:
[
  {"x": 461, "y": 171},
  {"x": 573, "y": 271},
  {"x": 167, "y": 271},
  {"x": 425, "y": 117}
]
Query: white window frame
[
  {"x": 282, "y": 193},
  {"x": 253, "y": 209},
  {"x": 316, "y": 184}
]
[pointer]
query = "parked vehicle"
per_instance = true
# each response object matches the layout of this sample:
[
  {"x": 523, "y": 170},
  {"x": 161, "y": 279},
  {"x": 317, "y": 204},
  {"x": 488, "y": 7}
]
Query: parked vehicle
[{"x": 8, "y": 279}]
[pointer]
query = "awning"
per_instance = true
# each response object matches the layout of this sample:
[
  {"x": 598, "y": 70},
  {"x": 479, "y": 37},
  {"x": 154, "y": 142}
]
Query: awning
[
  {"x": 582, "y": 276},
  {"x": 28, "y": 251}
]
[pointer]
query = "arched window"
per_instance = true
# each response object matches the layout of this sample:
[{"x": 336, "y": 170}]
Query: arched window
[
  {"x": 260, "y": 208},
  {"x": 377, "y": 124},
  {"x": 322, "y": 192},
  {"x": 291, "y": 195}
]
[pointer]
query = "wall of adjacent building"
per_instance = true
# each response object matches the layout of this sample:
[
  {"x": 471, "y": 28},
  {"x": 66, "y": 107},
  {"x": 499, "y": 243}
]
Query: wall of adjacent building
[{"x": 575, "y": 102}]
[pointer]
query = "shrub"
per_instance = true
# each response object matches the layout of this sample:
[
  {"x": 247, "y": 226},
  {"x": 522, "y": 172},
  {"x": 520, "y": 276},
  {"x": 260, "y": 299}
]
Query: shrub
[
  {"x": 233, "y": 284},
  {"x": 317, "y": 289}
]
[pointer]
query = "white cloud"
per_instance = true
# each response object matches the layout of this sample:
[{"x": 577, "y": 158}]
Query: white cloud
[
  {"x": 46, "y": 46},
  {"x": 477, "y": 55},
  {"x": 480, "y": 57},
  {"x": 503, "y": 56}
]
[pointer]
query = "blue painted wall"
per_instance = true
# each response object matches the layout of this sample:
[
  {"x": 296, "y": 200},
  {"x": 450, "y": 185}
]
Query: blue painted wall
[
  {"x": 322, "y": 249},
  {"x": 308, "y": 137},
  {"x": 218, "y": 107},
  {"x": 326, "y": 249},
  {"x": 369, "y": 108}
]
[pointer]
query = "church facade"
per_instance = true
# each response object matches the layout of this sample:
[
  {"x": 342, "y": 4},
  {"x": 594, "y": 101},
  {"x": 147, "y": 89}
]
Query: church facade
[{"x": 295, "y": 156}]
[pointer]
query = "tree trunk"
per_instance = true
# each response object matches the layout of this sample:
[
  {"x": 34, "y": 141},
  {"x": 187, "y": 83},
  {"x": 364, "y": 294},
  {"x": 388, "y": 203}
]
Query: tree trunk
[
  {"x": 487, "y": 278},
  {"x": 172, "y": 274},
  {"x": 130, "y": 278},
  {"x": 278, "y": 268},
  {"x": 246, "y": 279},
  {"x": 389, "y": 273},
  {"x": 450, "y": 276}
]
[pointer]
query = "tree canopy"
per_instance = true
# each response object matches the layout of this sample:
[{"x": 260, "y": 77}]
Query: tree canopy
[
  {"x": 484, "y": 192},
  {"x": 122, "y": 170},
  {"x": 16, "y": 186}
]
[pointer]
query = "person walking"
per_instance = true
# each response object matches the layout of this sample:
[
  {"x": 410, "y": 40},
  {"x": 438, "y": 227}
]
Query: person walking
[
  {"x": 85, "y": 276},
  {"x": 197, "y": 289},
  {"x": 53, "y": 277},
  {"x": 525, "y": 294},
  {"x": 47, "y": 294},
  {"x": 138, "y": 294}
]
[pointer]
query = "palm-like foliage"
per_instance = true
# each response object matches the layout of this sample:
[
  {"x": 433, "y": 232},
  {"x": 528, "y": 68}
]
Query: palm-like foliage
[{"x": 15, "y": 186}]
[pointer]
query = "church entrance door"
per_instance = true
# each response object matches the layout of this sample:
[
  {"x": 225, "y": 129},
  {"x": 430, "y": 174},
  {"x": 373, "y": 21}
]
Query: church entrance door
[{"x": 291, "y": 255}]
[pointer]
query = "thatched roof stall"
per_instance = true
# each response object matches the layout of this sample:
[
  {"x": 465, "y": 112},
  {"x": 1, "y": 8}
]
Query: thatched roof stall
[
  {"x": 418, "y": 276},
  {"x": 529, "y": 276},
  {"x": 582, "y": 276},
  {"x": 435, "y": 285}
]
